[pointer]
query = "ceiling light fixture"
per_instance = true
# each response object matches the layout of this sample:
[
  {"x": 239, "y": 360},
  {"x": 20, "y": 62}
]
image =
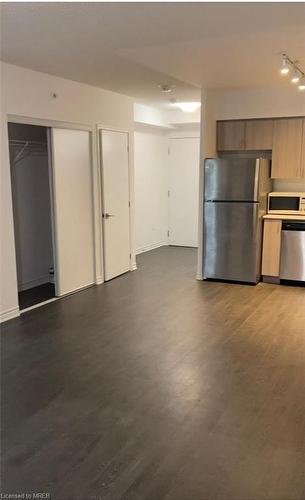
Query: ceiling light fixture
[
  {"x": 285, "y": 65},
  {"x": 302, "y": 84},
  {"x": 297, "y": 76},
  {"x": 188, "y": 107},
  {"x": 166, "y": 89}
]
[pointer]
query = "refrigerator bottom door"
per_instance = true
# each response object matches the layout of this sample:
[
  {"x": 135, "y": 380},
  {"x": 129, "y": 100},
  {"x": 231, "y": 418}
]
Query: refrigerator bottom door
[{"x": 230, "y": 241}]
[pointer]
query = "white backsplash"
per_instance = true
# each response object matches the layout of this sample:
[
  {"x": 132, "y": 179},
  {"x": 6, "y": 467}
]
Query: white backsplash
[{"x": 296, "y": 185}]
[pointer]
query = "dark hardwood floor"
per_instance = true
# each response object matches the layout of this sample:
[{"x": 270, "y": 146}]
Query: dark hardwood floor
[
  {"x": 156, "y": 386},
  {"x": 32, "y": 296}
]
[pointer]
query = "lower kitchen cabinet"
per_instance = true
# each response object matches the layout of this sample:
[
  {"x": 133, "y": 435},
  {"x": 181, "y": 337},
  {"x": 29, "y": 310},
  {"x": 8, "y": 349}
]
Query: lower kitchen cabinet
[{"x": 271, "y": 248}]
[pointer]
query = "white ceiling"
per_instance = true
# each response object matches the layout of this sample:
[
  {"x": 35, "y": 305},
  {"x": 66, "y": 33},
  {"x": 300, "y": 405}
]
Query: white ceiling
[{"x": 132, "y": 47}]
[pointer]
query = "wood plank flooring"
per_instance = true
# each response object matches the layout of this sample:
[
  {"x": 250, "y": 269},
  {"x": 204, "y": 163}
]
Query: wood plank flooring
[
  {"x": 155, "y": 386},
  {"x": 32, "y": 296}
]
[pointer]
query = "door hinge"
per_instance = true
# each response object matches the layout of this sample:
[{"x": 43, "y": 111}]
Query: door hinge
[
  {"x": 168, "y": 193},
  {"x": 168, "y": 233},
  {"x": 129, "y": 203},
  {"x": 130, "y": 256},
  {"x": 168, "y": 151},
  {"x": 127, "y": 149}
]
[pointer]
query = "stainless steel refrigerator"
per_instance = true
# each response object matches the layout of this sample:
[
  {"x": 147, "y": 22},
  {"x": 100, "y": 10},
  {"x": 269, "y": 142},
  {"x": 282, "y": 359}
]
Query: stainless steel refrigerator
[{"x": 235, "y": 200}]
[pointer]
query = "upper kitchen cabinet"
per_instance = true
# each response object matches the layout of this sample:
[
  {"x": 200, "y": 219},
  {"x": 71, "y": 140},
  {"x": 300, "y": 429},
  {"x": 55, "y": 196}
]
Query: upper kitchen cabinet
[
  {"x": 287, "y": 149},
  {"x": 259, "y": 135},
  {"x": 244, "y": 135},
  {"x": 231, "y": 135}
]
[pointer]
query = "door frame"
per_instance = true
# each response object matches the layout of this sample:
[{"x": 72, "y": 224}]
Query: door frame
[
  {"x": 99, "y": 128},
  {"x": 49, "y": 124},
  {"x": 52, "y": 203}
]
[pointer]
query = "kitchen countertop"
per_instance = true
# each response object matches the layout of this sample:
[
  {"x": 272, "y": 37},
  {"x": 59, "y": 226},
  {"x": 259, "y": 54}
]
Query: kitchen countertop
[{"x": 285, "y": 217}]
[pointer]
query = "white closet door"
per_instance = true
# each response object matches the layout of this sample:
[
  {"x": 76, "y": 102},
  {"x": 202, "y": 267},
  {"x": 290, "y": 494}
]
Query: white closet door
[
  {"x": 184, "y": 191},
  {"x": 115, "y": 180},
  {"x": 73, "y": 207}
]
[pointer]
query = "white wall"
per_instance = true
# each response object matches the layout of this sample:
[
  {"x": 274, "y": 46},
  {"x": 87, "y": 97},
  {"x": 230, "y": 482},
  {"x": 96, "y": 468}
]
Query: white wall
[
  {"x": 29, "y": 93},
  {"x": 32, "y": 217},
  {"x": 150, "y": 115},
  {"x": 151, "y": 188},
  {"x": 166, "y": 117},
  {"x": 152, "y": 181},
  {"x": 185, "y": 130}
]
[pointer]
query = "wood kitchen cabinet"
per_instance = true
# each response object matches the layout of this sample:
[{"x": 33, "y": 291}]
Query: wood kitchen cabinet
[
  {"x": 284, "y": 136},
  {"x": 242, "y": 135},
  {"x": 271, "y": 248},
  {"x": 287, "y": 148},
  {"x": 231, "y": 135},
  {"x": 302, "y": 170},
  {"x": 259, "y": 135}
]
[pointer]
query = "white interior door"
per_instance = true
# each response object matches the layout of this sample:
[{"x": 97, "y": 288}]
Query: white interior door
[
  {"x": 73, "y": 209},
  {"x": 184, "y": 191},
  {"x": 115, "y": 183}
]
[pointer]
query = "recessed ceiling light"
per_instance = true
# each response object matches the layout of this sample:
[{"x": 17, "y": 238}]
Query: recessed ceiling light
[
  {"x": 166, "y": 89},
  {"x": 188, "y": 107}
]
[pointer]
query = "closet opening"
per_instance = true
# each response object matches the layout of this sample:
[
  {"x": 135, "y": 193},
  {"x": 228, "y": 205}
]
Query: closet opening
[{"x": 31, "y": 180}]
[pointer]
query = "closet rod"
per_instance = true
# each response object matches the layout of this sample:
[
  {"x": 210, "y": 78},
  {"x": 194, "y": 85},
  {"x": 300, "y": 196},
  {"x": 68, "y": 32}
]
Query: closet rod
[
  {"x": 27, "y": 147},
  {"x": 21, "y": 142}
]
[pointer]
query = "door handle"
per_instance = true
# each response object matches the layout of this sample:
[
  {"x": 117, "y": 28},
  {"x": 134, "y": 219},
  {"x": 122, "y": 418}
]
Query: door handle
[{"x": 107, "y": 216}]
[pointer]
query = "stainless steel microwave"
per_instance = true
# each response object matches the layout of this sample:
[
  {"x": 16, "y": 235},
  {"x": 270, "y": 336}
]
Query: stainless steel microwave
[{"x": 286, "y": 203}]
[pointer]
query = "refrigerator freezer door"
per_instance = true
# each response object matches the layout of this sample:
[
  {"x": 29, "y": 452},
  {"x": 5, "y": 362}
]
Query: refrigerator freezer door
[
  {"x": 230, "y": 241},
  {"x": 231, "y": 180}
]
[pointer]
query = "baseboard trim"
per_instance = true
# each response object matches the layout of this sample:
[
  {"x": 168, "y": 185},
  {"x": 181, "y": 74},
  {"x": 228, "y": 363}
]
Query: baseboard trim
[
  {"x": 9, "y": 314},
  {"x": 152, "y": 246},
  {"x": 199, "y": 277},
  {"x": 35, "y": 306},
  {"x": 273, "y": 280},
  {"x": 134, "y": 266}
]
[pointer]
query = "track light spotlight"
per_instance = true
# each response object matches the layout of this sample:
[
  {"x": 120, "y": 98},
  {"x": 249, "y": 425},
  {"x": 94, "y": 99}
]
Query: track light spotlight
[
  {"x": 295, "y": 75},
  {"x": 302, "y": 84},
  {"x": 285, "y": 65}
]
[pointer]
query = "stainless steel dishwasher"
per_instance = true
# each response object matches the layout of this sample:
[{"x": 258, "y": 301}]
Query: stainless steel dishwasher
[{"x": 292, "y": 265}]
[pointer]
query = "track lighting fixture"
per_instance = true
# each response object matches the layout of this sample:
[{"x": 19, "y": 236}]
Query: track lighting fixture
[
  {"x": 285, "y": 65},
  {"x": 297, "y": 75}
]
